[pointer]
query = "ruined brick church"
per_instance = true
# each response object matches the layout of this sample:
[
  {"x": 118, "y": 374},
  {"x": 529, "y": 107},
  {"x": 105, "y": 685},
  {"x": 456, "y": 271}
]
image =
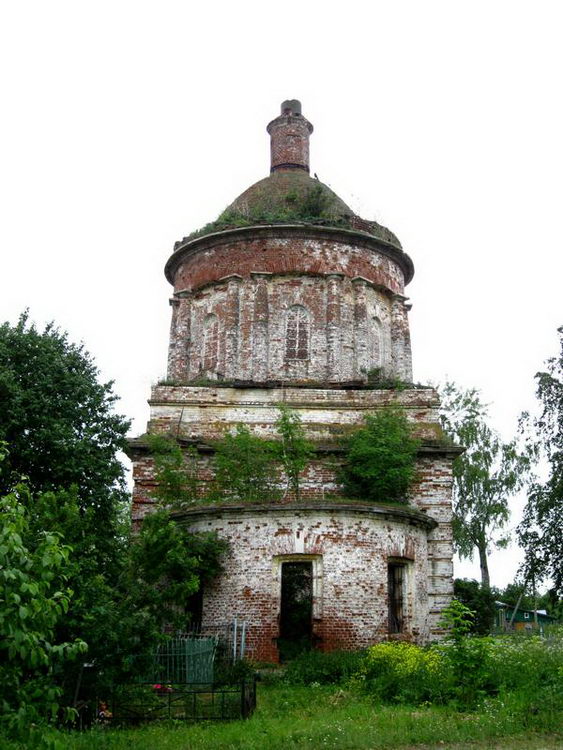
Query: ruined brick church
[{"x": 291, "y": 297}]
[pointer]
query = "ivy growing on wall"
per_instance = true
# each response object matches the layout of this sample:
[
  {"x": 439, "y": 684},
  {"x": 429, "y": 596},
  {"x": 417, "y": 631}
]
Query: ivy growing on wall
[
  {"x": 378, "y": 466},
  {"x": 248, "y": 468}
]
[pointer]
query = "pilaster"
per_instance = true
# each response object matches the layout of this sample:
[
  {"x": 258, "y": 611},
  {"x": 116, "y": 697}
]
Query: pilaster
[
  {"x": 361, "y": 348},
  {"x": 179, "y": 347},
  {"x": 260, "y": 353},
  {"x": 333, "y": 325}
]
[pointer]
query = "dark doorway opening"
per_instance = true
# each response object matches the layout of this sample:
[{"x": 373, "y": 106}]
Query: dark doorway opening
[
  {"x": 194, "y": 609},
  {"x": 296, "y": 609},
  {"x": 395, "y": 588}
]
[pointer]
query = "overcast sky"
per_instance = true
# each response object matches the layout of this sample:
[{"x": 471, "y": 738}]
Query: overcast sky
[{"x": 126, "y": 125}]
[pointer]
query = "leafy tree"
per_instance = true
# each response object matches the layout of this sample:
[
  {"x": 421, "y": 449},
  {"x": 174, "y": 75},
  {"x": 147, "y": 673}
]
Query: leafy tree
[
  {"x": 293, "y": 450},
  {"x": 64, "y": 437},
  {"x": 485, "y": 475},
  {"x": 380, "y": 458},
  {"x": 541, "y": 530},
  {"x": 168, "y": 565},
  {"x": 245, "y": 467},
  {"x": 479, "y": 599},
  {"x": 516, "y": 593},
  {"x": 34, "y": 597},
  {"x": 61, "y": 428}
]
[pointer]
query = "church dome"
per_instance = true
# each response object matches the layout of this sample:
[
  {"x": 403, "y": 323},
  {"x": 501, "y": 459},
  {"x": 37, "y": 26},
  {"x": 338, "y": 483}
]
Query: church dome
[{"x": 290, "y": 195}]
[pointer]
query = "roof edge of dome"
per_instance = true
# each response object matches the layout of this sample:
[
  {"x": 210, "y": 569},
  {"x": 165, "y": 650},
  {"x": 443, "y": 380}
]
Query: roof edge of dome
[{"x": 387, "y": 248}]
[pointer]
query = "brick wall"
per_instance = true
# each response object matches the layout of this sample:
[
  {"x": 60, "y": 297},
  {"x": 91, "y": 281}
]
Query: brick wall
[
  {"x": 302, "y": 305},
  {"x": 203, "y": 414},
  {"x": 351, "y": 297},
  {"x": 352, "y": 547}
]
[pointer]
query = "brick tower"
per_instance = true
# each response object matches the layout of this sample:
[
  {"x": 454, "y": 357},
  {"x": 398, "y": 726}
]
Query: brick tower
[{"x": 291, "y": 297}]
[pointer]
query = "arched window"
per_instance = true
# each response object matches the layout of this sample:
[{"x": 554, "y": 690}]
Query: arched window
[
  {"x": 210, "y": 342},
  {"x": 297, "y": 333}
]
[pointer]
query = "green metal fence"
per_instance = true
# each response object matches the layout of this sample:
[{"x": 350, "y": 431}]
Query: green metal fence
[{"x": 186, "y": 660}]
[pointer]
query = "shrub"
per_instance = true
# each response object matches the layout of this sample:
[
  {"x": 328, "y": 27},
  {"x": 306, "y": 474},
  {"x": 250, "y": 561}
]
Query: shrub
[
  {"x": 468, "y": 657},
  {"x": 380, "y": 458},
  {"x": 323, "y": 668},
  {"x": 293, "y": 450},
  {"x": 527, "y": 662},
  {"x": 167, "y": 566},
  {"x": 401, "y": 672},
  {"x": 226, "y": 672},
  {"x": 245, "y": 467}
]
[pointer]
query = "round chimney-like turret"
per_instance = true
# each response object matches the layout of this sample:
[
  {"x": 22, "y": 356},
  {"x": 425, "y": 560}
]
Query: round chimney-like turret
[{"x": 289, "y": 134}]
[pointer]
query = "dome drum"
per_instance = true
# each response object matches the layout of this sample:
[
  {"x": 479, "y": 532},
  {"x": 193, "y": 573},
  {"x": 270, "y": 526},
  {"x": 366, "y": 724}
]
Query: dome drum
[{"x": 289, "y": 327}]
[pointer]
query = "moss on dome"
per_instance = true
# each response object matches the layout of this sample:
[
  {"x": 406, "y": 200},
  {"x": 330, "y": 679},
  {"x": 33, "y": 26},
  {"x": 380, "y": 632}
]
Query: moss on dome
[{"x": 289, "y": 197}]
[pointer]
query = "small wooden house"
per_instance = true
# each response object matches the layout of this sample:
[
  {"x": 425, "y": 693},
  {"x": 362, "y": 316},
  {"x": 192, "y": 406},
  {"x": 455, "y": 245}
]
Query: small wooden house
[{"x": 524, "y": 619}]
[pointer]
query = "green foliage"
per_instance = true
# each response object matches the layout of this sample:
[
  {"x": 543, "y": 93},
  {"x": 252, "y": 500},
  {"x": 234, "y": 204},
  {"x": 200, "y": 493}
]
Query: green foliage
[
  {"x": 318, "y": 667},
  {"x": 245, "y": 467},
  {"x": 59, "y": 421},
  {"x": 312, "y": 717},
  {"x": 64, "y": 437},
  {"x": 541, "y": 529},
  {"x": 457, "y": 620},
  {"x": 485, "y": 475},
  {"x": 168, "y": 565},
  {"x": 468, "y": 658},
  {"x": 34, "y": 597},
  {"x": 467, "y": 671},
  {"x": 226, "y": 672},
  {"x": 314, "y": 206},
  {"x": 522, "y": 661},
  {"x": 400, "y": 672},
  {"x": 381, "y": 458},
  {"x": 293, "y": 450},
  {"x": 480, "y": 600},
  {"x": 177, "y": 485}
]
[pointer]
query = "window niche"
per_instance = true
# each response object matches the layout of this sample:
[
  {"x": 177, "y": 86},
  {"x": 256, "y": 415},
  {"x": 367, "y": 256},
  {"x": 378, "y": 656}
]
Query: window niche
[
  {"x": 210, "y": 343},
  {"x": 297, "y": 333}
]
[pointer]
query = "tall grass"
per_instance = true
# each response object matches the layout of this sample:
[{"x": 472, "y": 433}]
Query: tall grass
[
  {"x": 332, "y": 717},
  {"x": 392, "y": 696},
  {"x": 466, "y": 671}
]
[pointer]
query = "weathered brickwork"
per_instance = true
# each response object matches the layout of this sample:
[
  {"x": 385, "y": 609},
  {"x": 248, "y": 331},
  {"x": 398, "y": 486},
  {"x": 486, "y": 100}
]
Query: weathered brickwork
[
  {"x": 206, "y": 413},
  {"x": 307, "y": 314},
  {"x": 352, "y": 296},
  {"x": 351, "y": 549},
  {"x": 289, "y": 138}
]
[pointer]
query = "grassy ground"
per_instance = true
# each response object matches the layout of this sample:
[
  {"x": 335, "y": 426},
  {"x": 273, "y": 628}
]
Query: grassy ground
[{"x": 329, "y": 717}]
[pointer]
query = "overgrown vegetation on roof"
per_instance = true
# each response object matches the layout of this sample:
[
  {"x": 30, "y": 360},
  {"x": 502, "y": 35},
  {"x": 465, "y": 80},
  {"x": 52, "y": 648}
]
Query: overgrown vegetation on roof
[
  {"x": 316, "y": 205},
  {"x": 377, "y": 464},
  {"x": 380, "y": 458}
]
